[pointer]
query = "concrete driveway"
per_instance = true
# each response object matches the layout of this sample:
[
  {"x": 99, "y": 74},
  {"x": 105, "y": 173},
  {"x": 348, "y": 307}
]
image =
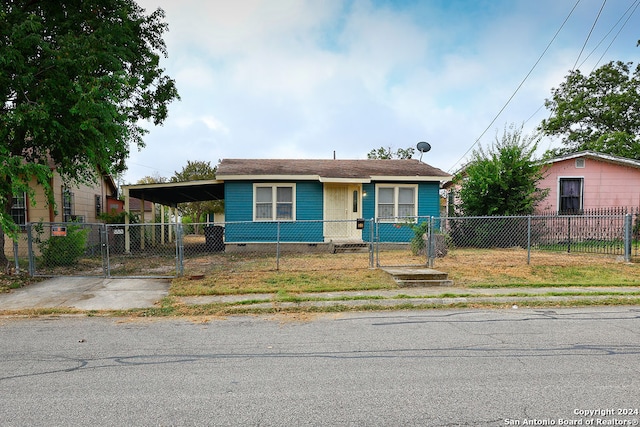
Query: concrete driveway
[{"x": 87, "y": 293}]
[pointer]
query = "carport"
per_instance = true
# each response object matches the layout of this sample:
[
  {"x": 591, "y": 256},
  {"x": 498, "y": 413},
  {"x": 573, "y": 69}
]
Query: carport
[{"x": 168, "y": 195}]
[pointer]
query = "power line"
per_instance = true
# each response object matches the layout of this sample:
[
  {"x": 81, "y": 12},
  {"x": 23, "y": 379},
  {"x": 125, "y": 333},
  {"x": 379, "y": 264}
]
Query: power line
[
  {"x": 637, "y": 3},
  {"x": 629, "y": 11},
  {"x": 518, "y": 88},
  {"x": 589, "y": 35}
]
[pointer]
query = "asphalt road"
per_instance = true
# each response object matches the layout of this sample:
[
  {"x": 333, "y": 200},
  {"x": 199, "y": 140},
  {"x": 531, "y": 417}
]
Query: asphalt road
[{"x": 475, "y": 368}]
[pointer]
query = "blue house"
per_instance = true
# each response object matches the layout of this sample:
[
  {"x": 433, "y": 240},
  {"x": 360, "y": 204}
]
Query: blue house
[{"x": 320, "y": 201}]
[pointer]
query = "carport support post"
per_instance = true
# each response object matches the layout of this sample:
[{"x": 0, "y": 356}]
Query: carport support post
[
  {"x": 162, "y": 224},
  {"x": 153, "y": 242}
]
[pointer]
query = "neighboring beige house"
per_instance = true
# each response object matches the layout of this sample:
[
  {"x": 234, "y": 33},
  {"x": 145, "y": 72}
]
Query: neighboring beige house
[
  {"x": 147, "y": 215},
  {"x": 81, "y": 203}
]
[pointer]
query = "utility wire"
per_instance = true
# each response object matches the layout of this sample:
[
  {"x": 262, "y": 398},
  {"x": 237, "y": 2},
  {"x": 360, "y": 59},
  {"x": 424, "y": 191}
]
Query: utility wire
[
  {"x": 637, "y": 3},
  {"x": 518, "y": 88},
  {"x": 630, "y": 12},
  {"x": 589, "y": 35}
]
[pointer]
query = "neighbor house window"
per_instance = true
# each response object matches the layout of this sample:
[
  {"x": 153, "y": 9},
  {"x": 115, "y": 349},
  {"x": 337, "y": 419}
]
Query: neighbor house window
[
  {"x": 98, "y": 205},
  {"x": 67, "y": 205},
  {"x": 274, "y": 202},
  {"x": 396, "y": 201},
  {"x": 19, "y": 209},
  {"x": 570, "y": 195}
]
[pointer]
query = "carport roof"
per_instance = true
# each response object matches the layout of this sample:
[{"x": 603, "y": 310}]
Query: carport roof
[{"x": 172, "y": 193}]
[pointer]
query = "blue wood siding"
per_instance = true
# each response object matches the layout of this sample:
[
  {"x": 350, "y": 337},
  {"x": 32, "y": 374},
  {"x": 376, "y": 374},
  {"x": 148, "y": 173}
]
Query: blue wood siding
[
  {"x": 238, "y": 201},
  {"x": 239, "y": 215},
  {"x": 309, "y": 201},
  {"x": 309, "y": 214},
  {"x": 428, "y": 205},
  {"x": 368, "y": 209}
]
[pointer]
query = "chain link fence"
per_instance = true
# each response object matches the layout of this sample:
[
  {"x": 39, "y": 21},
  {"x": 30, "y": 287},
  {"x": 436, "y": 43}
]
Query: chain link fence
[
  {"x": 277, "y": 245},
  {"x": 106, "y": 250},
  {"x": 593, "y": 234},
  {"x": 169, "y": 250}
]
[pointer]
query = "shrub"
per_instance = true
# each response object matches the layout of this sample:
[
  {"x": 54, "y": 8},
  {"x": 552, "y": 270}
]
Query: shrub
[
  {"x": 64, "y": 250},
  {"x": 418, "y": 240}
]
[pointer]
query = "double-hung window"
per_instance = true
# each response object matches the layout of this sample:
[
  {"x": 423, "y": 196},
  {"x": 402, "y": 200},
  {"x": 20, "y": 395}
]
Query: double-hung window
[
  {"x": 19, "y": 210},
  {"x": 570, "y": 196},
  {"x": 274, "y": 202},
  {"x": 396, "y": 201},
  {"x": 67, "y": 205}
]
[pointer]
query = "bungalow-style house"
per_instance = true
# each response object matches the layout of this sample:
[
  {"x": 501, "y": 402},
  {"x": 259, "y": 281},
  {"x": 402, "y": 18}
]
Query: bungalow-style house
[
  {"x": 320, "y": 201},
  {"x": 588, "y": 181}
]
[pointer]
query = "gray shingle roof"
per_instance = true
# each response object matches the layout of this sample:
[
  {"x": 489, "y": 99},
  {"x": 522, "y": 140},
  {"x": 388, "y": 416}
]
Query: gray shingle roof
[{"x": 328, "y": 168}]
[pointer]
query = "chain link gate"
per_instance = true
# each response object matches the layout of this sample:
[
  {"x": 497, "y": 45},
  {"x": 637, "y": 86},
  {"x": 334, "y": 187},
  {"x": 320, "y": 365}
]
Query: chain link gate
[
  {"x": 405, "y": 242},
  {"x": 104, "y": 250}
]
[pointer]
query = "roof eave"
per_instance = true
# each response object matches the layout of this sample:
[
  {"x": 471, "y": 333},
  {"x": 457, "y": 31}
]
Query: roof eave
[{"x": 414, "y": 178}]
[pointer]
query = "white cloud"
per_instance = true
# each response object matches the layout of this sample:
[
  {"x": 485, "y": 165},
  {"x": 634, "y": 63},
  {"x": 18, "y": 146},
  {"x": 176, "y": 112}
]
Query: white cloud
[{"x": 302, "y": 78}]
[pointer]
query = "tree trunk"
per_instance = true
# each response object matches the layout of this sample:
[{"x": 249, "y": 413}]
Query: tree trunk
[
  {"x": 4, "y": 261},
  {"x": 6, "y": 209}
]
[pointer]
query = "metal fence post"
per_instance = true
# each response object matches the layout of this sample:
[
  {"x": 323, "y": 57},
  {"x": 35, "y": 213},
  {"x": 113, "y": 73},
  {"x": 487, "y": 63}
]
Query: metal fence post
[
  {"x": 278, "y": 246},
  {"x": 430, "y": 243},
  {"x": 15, "y": 256},
  {"x": 377, "y": 240},
  {"x": 627, "y": 237},
  {"x": 569, "y": 234},
  {"x": 371, "y": 245},
  {"x": 529, "y": 240},
  {"x": 179, "y": 250},
  {"x": 104, "y": 250},
  {"x": 32, "y": 258}
]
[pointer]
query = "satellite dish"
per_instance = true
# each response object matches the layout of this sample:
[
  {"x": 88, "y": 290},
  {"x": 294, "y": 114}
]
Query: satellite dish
[{"x": 423, "y": 147}]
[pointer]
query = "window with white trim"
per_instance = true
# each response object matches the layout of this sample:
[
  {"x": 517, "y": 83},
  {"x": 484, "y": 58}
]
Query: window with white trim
[
  {"x": 396, "y": 201},
  {"x": 19, "y": 209},
  {"x": 274, "y": 202},
  {"x": 570, "y": 195}
]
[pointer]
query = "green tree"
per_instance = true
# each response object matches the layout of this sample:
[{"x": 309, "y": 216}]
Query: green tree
[
  {"x": 76, "y": 79},
  {"x": 597, "y": 112},
  {"x": 384, "y": 153},
  {"x": 197, "y": 171},
  {"x": 156, "y": 178},
  {"x": 503, "y": 179}
]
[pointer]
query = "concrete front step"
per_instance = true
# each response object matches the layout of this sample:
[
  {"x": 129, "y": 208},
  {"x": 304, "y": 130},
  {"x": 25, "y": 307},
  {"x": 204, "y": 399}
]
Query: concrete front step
[
  {"x": 422, "y": 283},
  {"x": 417, "y": 277}
]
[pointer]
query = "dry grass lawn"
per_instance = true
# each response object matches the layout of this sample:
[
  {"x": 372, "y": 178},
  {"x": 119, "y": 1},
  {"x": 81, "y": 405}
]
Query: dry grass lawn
[{"x": 226, "y": 273}]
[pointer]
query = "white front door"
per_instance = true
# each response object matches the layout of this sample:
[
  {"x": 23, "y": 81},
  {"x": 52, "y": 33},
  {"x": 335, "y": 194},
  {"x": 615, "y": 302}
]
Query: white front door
[{"x": 342, "y": 206}]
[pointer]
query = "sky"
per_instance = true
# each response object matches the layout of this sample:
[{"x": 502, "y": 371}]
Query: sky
[{"x": 322, "y": 79}]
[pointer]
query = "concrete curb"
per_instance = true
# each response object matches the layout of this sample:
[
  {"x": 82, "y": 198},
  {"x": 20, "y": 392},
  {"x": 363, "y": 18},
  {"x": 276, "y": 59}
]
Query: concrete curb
[{"x": 432, "y": 296}]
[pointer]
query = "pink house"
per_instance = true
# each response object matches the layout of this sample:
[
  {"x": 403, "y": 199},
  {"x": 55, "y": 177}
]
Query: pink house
[{"x": 588, "y": 180}]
